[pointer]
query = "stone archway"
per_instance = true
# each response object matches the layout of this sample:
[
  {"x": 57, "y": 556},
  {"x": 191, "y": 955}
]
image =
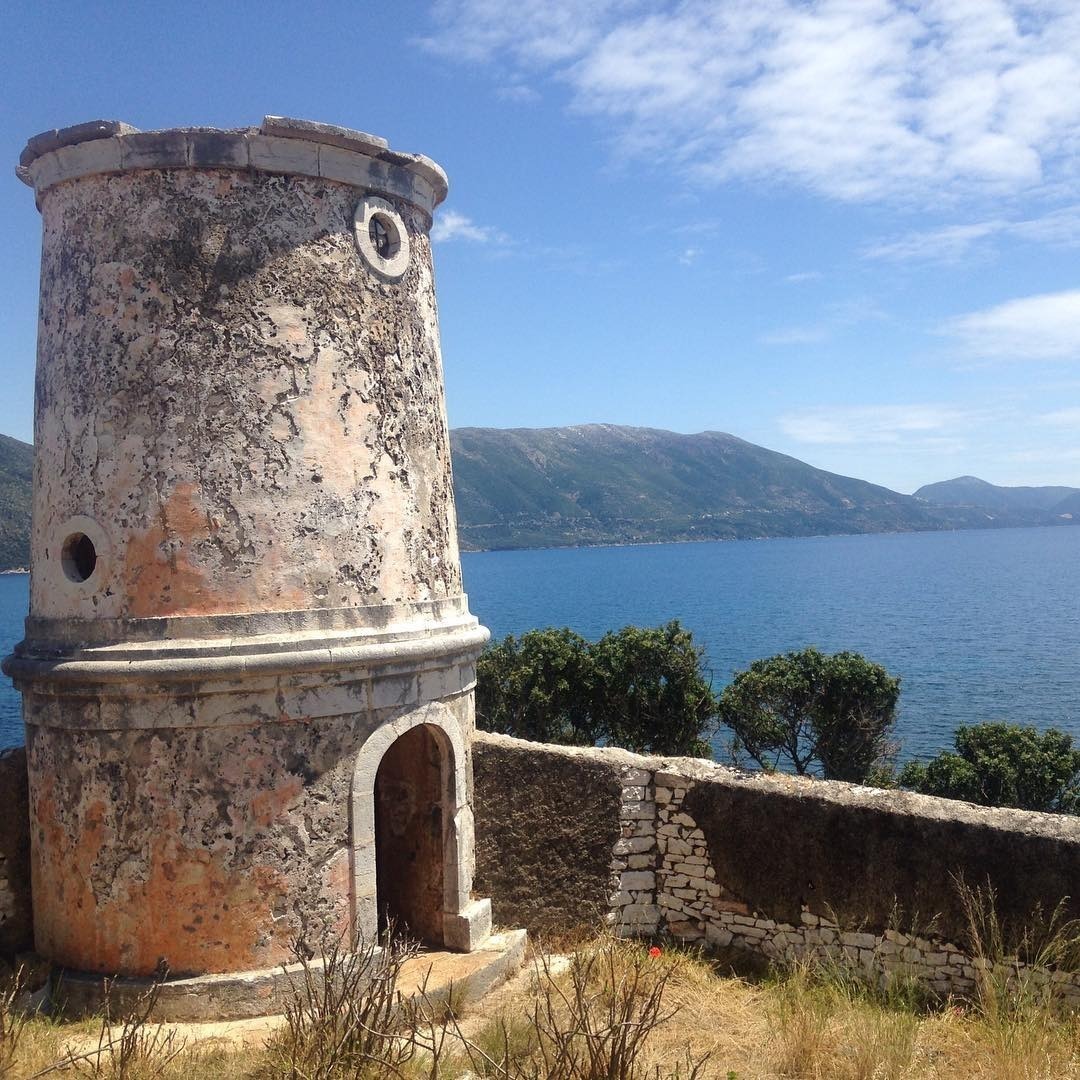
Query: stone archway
[
  {"x": 410, "y": 808},
  {"x": 465, "y": 922}
]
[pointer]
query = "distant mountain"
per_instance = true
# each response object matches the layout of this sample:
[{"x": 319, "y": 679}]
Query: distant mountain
[
  {"x": 602, "y": 484},
  {"x": 971, "y": 491},
  {"x": 16, "y": 469},
  {"x": 1070, "y": 505}
]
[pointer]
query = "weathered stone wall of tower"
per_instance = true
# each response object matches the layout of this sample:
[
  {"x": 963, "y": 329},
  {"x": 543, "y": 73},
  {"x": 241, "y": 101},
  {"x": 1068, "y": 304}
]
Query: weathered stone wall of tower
[
  {"x": 257, "y": 417},
  {"x": 244, "y": 560}
]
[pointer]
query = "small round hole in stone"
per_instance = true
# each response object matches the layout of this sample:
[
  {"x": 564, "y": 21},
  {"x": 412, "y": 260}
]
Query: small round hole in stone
[
  {"x": 384, "y": 236},
  {"x": 78, "y": 557}
]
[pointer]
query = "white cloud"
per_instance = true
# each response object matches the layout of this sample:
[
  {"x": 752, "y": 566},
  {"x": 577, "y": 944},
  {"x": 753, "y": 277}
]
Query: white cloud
[
  {"x": 951, "y": 242},
  {"x": 689, "y": 256},
  {"x": 947, "y": 244},
  {"x": 803, "y": 277},
  {"x": 855, "y": 99},
  {"x": 450, "y": 225},
  {"x": 1045, "y": 327},
  {"x": 927, "y": 425}
]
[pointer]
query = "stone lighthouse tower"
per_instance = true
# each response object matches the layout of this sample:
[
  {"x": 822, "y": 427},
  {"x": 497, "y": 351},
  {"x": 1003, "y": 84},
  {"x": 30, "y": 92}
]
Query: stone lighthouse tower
[{"x": 248, "y": 666}]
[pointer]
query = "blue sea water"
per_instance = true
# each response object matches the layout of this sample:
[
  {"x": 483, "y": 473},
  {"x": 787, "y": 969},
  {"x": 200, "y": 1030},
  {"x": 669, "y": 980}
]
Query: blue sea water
[
  {"x": 980, "y": 625},
  {"x": 14, "y": 600}
]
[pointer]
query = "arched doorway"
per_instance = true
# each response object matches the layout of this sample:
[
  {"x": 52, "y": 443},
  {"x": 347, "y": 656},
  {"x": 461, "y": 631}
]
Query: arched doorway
[{"x": 410, "y": 834}]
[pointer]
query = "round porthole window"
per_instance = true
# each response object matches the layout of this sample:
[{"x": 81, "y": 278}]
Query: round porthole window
[
  {"x": 381, "y": 237},
  {"x": 80, "y": 559}
]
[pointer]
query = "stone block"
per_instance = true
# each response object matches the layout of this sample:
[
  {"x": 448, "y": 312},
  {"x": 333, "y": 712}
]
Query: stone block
[
  {"x": 638, "y": 879},
  {"x": 327, "y": 134},
  {"x": 859, "y": 940},
  {"x": 440, "y": 683},
  {"x": 277, "y": 155},
  {"x": 154, "y": 150},
  {"x": 91, "y": 131},
  {"x": 719, "y": 936},
  {"x": 468, "y": 929},
  {"x": 218, "y": 149},
  {"x": 640, "y": 918},
  {"x": 754, "y": 932},
  {"x": 395, "y": 691},
  {"x": 669, "y": 780}
]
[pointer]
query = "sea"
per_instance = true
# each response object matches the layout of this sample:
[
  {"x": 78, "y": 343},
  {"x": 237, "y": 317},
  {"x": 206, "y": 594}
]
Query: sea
[{"x": 979, "y": 625}]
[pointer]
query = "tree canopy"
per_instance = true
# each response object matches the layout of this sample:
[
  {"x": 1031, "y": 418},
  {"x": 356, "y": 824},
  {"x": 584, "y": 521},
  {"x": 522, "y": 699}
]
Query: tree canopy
[
  {"x": 538, "y": 687},
  {"x": 642, "y": 688},
  {"x": 815, "y": 713},
  {"x": 999, "y": 764}
]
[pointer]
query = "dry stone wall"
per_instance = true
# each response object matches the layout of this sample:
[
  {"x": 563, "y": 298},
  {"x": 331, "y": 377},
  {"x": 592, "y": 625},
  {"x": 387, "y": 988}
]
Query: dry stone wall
[
  {"x": 778, "y": 866},
  {"x": 16, "y": 917}
]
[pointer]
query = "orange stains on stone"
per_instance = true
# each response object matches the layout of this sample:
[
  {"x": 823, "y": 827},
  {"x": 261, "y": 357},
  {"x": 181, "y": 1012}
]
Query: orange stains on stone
[
  {"x": 178, "y": 904},
  {"x": 163, "y": 573},
  {"x": 266, "y": 806}
]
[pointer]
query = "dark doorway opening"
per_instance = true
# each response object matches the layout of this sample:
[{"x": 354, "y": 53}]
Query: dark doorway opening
[{"x": 409, "y": 813}]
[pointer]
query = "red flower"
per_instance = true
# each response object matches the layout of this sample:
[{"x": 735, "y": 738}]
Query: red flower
[{"x": 654, "y": 951}]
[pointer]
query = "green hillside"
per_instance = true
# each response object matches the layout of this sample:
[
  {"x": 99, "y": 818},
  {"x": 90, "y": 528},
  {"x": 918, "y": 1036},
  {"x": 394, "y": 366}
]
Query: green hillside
[
  {"x": 599, "y": 483},
  {"x": 971, "y": 491},
  {"x": 16, "y": 468},
  {"x": 603, "y": 484}
]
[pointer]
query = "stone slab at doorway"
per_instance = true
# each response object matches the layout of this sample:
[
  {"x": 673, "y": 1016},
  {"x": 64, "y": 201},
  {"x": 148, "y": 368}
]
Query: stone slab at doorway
[{"x": 245, "y": 1007}]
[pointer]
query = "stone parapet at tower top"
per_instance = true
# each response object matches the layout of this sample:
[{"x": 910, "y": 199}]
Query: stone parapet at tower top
[{"x": 248, "y": 667}]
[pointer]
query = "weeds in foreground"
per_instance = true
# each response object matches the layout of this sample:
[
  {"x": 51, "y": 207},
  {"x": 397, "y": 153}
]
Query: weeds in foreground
[
  {"x": 130, "y": 1047},
  {"x": 612, "y": 1011},
  {"x": 1017, "y": 971},
  {"x": 590, "y": 1023},
  {"x": 12, "y": 1021},
  {"x": 827, "y": 1022},
  {"x": 1018, "y": 992},
  {"x": 343, "y": 1013}
]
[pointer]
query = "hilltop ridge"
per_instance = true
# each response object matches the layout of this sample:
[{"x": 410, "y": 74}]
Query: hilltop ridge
[
  {"x": 605, "y": 483},
  {"x": 612, "y": 484},
  {"x": 16, "y": 477},
  {"x": 971, "y": 491}
]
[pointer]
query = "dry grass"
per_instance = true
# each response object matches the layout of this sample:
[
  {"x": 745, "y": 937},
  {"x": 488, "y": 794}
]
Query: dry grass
[{"x": 616, "y": 1008}]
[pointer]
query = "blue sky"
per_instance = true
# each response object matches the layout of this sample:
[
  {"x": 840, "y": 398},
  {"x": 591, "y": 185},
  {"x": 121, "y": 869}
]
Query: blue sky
[{"x": 844, "y": 229}]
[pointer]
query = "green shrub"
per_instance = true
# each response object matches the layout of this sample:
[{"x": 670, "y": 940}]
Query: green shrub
[
  {"x": 1001, "y": 764},
  {"x": 814, "y": 713},
  {"x": 645, "y": 689}
]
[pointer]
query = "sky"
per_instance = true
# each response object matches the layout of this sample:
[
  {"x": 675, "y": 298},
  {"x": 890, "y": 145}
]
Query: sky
[{"x": 844, "y": 229}]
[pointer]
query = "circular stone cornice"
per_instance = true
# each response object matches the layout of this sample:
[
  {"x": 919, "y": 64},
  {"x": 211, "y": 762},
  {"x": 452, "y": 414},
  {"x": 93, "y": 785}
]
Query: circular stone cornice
[
  {"x": 215, "y": 648},
  {"x": 281, "y": 145},
  {"x": 230, "y": 660}
]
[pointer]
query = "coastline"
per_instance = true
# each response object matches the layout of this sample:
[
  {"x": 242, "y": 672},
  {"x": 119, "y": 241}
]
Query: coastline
[{"x": 468, "y": 549}]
